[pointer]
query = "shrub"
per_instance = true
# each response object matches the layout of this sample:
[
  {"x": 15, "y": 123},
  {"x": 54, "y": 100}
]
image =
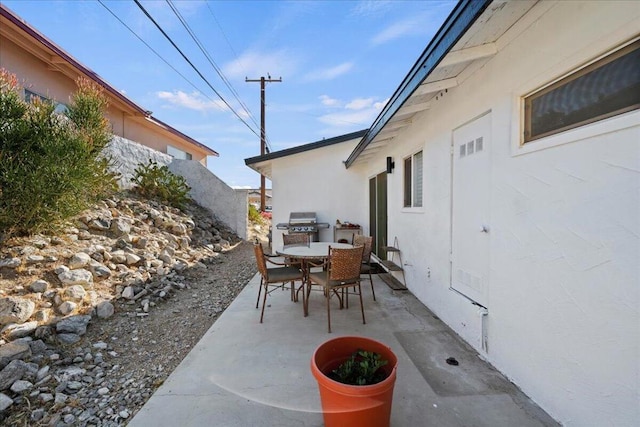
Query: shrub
[
  {"x": 158, "y": 182},
  {"x": 254, "y": 215},
  {"x": 51, "y": 166}
]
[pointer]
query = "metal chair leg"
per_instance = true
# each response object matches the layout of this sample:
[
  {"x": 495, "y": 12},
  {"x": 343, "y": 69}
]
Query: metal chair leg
[
  {"x": 329, "y": 311},
  {"x": 264, "y": 301},
  {"x": 372, "y": 290},
  {"x": 259, "y": 292}
]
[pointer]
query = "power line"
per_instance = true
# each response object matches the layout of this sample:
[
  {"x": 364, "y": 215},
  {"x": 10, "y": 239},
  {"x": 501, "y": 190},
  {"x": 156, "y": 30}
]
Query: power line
[
  {"x": 155, "y": 52},
  {"x": 210, "y": 59},
  {"x": 193, "y": 66}
]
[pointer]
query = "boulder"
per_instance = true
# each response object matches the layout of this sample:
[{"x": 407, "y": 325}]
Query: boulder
[
  {"x": 15, "y": 310},
  {"x": 13, "y": 351},
  {"x": 19, "y": 330},
  {"x": 79, "y": 260},
  {"x": 74, "y": 324},
  {"x": 77, "y": 277},
  {"x": 12, "y": 373}
]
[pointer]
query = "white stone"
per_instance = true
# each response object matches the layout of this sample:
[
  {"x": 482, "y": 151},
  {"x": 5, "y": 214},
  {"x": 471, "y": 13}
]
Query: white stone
[
  {"x": 79, "y": 260},
  {"x": 75, "y": 292},
  {"x": 34, "y": 259},
  {"x": 5, "y": 402},
  {"x": 21, "y": 386},
  {"x": 76, "y": 277},
  {"x": 132, "y": 259}
]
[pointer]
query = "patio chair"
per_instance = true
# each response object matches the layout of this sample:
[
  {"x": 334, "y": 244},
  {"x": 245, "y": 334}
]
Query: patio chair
[
  {"x": 365, "y": 267},
  {"x": 296, "y": 239},
  {"x": 342, "y": 273},
  {"x": 275, "y": 277}
]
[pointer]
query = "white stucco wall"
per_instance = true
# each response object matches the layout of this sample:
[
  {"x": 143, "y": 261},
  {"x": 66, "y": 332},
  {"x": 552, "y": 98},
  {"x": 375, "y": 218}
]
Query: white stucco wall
[
  {"x": 211, "y": 192},
  {"x": 317, "y": 181},
  {"x": 564, "y": 303}
]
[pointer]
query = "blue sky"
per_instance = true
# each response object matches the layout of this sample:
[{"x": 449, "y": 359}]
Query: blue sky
[{"x": 339, "y": 62}]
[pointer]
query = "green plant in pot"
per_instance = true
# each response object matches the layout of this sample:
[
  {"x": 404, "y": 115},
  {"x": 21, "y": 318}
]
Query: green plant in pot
[
  {"x": 362, "y": 368},
  {"x": 356, "y": 376}
]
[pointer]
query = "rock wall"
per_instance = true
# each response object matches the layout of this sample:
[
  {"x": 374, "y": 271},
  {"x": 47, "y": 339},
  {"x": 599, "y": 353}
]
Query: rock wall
[
  {"x": 207, "y": 189},
  {"x": 128, "y": 155}
]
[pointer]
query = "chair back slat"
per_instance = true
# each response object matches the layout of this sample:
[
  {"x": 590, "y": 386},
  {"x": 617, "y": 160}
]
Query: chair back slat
[
  {"x": 367, "y": 242},
  {"x": 296, "y": 239},
  {"x": 262, "y": 264},
  {"x": 344, "y": 264}
]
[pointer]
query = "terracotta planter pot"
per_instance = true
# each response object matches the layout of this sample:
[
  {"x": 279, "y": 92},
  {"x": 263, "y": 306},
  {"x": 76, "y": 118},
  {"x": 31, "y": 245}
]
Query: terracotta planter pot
[{"x": 353, "y": 405}]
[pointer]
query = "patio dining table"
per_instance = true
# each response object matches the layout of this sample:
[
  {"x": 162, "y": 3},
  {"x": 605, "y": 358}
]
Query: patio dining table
[{"x": 306, "y": 253}]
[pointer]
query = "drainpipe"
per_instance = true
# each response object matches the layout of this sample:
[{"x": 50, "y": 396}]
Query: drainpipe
[{"x": 484, "y": 312}]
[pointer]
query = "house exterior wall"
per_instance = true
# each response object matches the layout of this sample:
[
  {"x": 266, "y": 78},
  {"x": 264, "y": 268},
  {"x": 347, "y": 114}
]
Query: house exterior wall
[
  {"x": 564, "y": 280},
  {"x": 35, "y": 76},
  {"x": 316, "y": 180}
]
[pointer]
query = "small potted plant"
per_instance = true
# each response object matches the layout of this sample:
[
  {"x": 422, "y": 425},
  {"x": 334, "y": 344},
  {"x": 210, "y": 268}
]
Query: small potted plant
[{"x": 356, "y": 376}]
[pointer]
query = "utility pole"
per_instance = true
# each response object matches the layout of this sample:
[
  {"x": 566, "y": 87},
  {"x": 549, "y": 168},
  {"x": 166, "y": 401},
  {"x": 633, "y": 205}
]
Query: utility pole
[{"x": 263, "y": 134}]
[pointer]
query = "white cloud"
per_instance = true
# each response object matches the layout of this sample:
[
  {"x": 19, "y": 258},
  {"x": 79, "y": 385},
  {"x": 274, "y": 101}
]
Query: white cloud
[
  {"x": 360, "y": 111},
  {"x": 329, "y": 73},
  {"x": 397, "y": 30},
  {"x": 192, "y": 101},
  {"x": 327, "y": 101},
  {"x": 359, "y": 103},
  {"x": 256, "y": 64}
]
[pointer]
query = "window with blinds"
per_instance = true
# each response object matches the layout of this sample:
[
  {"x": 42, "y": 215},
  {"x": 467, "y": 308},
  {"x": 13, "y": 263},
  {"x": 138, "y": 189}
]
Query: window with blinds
[
  {"x": 413, "y": 181},
  {"x": 605, "y": 88}
]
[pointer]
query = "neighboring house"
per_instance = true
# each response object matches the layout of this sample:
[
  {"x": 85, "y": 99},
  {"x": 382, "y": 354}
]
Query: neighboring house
[
  {"x": 513, "y": 189},
  {"x": 47, "y": 71},
  {"x": 254, "y": 197}
]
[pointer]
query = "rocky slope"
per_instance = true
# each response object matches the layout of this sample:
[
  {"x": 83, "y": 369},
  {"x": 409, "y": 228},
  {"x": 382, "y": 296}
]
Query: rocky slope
[{"x": 94, "y": 320}]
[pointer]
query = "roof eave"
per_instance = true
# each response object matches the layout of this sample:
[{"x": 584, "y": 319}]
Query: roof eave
[{"x": 459, "y": 21}]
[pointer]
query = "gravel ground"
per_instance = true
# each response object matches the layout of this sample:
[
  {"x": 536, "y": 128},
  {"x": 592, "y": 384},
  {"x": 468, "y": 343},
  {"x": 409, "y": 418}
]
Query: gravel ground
[{"x": 110, "y": 374}]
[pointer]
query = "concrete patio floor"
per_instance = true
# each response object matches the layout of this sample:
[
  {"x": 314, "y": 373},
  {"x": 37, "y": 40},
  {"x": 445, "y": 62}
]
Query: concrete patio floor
[{"x": 243, "y": 373}]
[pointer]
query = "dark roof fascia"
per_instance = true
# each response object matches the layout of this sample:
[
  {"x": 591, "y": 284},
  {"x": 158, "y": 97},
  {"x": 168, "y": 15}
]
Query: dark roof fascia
[
  {"x": 42, "y": 39},
  {"x": 459, "y": 21},
  {"x": 305, "y": 147}
]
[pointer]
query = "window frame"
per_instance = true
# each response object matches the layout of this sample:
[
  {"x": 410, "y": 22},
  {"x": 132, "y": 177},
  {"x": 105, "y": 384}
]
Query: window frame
[
  {"x": 59, "y": 107},
  {"x": 412, "y": 181},
  {"x": 568, "y": 78},
  {"x": 187, "y": 155}
]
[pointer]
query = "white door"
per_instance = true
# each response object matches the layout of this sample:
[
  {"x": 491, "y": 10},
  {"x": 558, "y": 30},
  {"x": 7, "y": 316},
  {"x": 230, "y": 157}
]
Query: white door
[{"x": 470, "y": 214}]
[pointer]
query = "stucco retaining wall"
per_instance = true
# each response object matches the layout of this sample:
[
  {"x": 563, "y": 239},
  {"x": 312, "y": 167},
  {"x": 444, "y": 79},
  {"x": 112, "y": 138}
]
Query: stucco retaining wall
[
  {"x": 211, "y": 192},
  {"x": 207, "y": 189}
]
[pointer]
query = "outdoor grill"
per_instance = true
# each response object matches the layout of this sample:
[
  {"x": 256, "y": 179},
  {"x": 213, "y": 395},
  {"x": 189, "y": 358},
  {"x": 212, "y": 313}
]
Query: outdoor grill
[{"x": 303, "y": 222}]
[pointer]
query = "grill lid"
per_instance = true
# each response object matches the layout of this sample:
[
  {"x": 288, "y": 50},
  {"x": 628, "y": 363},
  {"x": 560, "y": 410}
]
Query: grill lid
[{"x": 302, "y": 218}]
